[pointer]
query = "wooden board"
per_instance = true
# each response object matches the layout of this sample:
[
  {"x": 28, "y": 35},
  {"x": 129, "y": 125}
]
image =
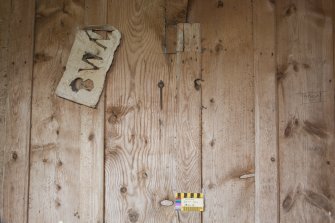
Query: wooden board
[
  {"x": 306, "y": 110},
  {"x": 146, "y": 158},
  {"x": 67, "y": 139},
  {"x": 92, "y": 138},
  {"x": 266, "y": 153},
  {"x": 228, "y": 109},
  {"x": 55, "y": 140},
  {"x": 17, "y": 28},
  {"x": 186, "y": 76},
  {"x": 175, "y": 11},
  {"x": 138, "y": 152},
  {"x": 4, "y": 41}
]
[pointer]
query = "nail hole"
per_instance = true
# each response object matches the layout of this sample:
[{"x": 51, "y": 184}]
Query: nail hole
[
  {"x": 123, "y": 190},
  {"x": 14, "y": 156}
]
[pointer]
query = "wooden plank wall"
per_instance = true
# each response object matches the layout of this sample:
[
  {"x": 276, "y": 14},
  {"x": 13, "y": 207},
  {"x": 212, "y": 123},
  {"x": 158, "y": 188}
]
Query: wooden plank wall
[
  {"x": 246, "y": 115},
  {"x": 228, "y": 109},
  {"x": 266, "y": 112},
  {"x": 144, "y": 160},
  {"x": 306, "y": 110},
  {"x": 66, "y": 174},
  {"x": 17, "y": 37}
]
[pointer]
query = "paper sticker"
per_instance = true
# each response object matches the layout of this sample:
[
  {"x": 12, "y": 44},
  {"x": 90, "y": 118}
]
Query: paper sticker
[{"x": 189, "y": 202}]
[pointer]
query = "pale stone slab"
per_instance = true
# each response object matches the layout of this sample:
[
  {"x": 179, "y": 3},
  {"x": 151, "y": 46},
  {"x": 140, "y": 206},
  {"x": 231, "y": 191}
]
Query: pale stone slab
[{"x": 90, "y": 58}]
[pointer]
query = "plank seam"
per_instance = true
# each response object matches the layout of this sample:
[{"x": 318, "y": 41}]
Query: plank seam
[{"x": 31, "y": 103}]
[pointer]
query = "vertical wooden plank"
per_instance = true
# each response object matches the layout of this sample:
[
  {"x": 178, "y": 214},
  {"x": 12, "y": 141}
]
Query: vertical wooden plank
[
  {"x": 4, "y": 41},
  {"x": 186, "y": 71},
  {"x": 55, "y": 172},
  {"x": 306, "y": 110},
  {"x": 266, "y": 153},
  {"x": 17, "y": 70},
  {"x": 148, "y": 158},
  {"x": 139, "y": 155},
  {"x": 228, "y": 109},
  {"x": 92, "y": 138},
  {"x": 176, "y": 11}
]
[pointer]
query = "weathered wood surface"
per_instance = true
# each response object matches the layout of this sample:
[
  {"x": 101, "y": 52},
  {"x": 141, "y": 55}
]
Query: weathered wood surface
[
  {"x": 55, "y": 140},
  {"x": 228, "y": 109},
  {"x": 186, "y": 92},
  {"x": 266, "y": 126},
  {"x": 92, "y": 138},
  {"x": 4, "y": 26},
  {"x": 151, "y": 152},
  {"x": 220, "y": 133},
  {"x": 66, "y": 174},
  {"x": 138, "y": 152},
  {"x": 306, "y": 110},
  {"x": 175, "y": 11},
  {"x": 16, "y": 50}
]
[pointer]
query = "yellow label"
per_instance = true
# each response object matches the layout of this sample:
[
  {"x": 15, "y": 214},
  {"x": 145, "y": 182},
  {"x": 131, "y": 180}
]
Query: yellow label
[{"x": 189, "y": 201}]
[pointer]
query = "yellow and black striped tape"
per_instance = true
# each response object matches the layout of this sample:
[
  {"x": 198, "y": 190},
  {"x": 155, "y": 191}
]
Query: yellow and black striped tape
[{"x": 189, "y": 195}]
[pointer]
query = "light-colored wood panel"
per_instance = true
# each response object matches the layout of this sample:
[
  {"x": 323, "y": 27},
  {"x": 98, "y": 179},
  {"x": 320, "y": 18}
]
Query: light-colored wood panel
[
  {"x": 139, "y": 153},
  {"x": 186, "y": 72},
  {"x": 17, "y": 28},
  {"x": 146, "y": 158},
  {"x": 266, "y": 152},
  {"x": 92, "y": 138},
  {"x": 306, "y": 110},
  {"x": 228, "y": 109},
  {"x": 56, "y": 123}
]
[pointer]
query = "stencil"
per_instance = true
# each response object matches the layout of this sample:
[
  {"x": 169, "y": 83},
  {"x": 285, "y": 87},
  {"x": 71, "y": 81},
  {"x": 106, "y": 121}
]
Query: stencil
[{"x": 90, "y": 58}]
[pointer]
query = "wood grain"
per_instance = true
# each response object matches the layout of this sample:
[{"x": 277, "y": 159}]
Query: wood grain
[
  {"x": 266, "y": 153},
  {"x": 186, "y": 75},
  {"x": 139, "y": 151},
  {"x": 146, "y": 146},
  {"x": 92, "y": 138},
  {"x": 4, "y": 41},
  {"x": 306, "y": 110},
  {"x": 55, "y": 172},
  {"x": 247, "y": 117},
  {"x": 176, "y": 11},
  {"x": 16, "y": 72},
  {"x": 228, "y": 109}
]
